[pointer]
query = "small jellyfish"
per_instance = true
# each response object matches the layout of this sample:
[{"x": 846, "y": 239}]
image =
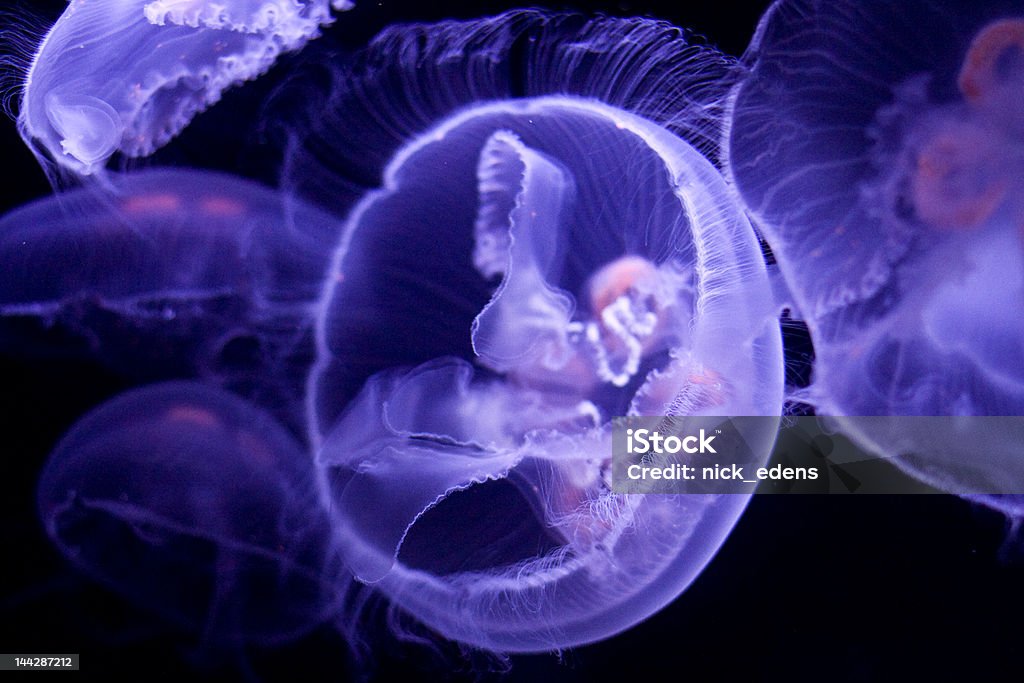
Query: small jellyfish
[
  {"x": 880, "y": 148},
  {"x": 543, "y": 255},
  {"x": 170, "y": 274},
  {"x": 128, "y": 75},
  {"x": 199, "y": 506}
]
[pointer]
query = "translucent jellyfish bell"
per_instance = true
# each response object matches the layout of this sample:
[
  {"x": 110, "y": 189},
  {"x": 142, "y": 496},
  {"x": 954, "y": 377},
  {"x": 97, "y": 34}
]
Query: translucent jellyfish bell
[
  {"x": 879, "y": 146},
  {"x": 128, "y": 75},
  {"x": 170, "y": 274},
  {"x": 530, "y": 269},
  {"x": 198, "y": 506}
]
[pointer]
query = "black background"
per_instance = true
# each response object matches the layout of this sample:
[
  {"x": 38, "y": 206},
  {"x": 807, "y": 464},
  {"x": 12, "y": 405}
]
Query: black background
[{"x": 805, "y": 588}]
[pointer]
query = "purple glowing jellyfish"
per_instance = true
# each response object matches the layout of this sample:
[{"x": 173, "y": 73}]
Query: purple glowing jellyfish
[
  {"x": 549, "y": 249},
  {"x": 879, "y": 148}
]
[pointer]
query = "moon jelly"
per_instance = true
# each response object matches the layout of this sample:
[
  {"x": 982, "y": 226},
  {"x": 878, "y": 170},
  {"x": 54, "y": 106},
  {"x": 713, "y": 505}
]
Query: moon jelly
[
  {"x": 198, "y": 505},
  {"x": 127, "y": 75},
  {"x": 880, "y": 147},
  {"x": 532, "y": 267},
  {"x": 173, "y": 274}
]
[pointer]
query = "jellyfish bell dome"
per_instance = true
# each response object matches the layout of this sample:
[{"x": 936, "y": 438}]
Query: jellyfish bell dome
[
  {"x": 530, "y": 268},
  {"x": 878, "y": 147}
]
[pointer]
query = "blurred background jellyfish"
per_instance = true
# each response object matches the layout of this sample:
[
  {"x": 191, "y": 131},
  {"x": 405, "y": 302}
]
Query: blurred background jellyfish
[
  {"x": 128, "y": 75},
  {"x": 174, "y": 274},
  {"x": 185, "y": 497},
  {"x": 880, "y": 147},
  {"x": 549, "y": 248},
  {"x": 199, "y": 506}
]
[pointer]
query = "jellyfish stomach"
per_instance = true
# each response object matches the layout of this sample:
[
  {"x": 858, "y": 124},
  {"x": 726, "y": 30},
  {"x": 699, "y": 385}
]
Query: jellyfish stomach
[
  {"x": 635, "y": 310},
  {"x": 994, "y": 62},
  {"x": 958, "y": 181},
  {"x": 969, "y": 165}
]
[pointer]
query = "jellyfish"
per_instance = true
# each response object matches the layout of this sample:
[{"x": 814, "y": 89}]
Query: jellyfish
[
  {"x": 128, "y": 75},
  {"x": 550, "y": 248},
  {"x": 199, "y": 506},
  {"x": 170, "y": 273},
  {"x": 879, "y": 148}
]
